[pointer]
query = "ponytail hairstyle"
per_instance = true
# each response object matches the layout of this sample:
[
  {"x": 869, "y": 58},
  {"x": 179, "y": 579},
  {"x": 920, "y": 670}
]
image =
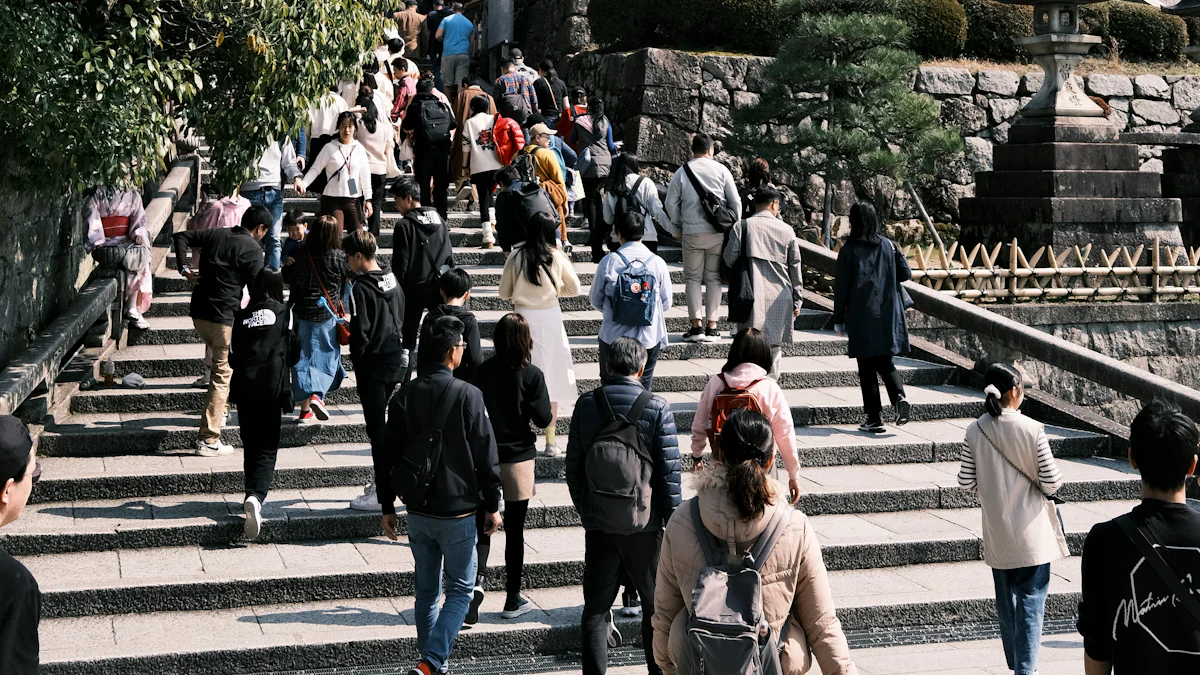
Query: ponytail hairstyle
[
  {"x": 366, "y": 99},
  {"x": 748, "y": 449},
  {"x": 1001, "y": 378}
]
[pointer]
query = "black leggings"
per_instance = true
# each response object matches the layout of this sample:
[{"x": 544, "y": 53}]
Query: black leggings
[
  {"x": 869, "y": 369},
  {"x": 260, "y": 423},
  {"x": 484, "y": 182},
  {"x": 514, "y": 545},
  {"x": 377, "y": 198},
  {"x": 592, "y": 210}
]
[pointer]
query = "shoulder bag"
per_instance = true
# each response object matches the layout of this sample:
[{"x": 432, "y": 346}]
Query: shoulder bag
[
  {"x": 1142, "y": 538},
  {"x": 741, "y": 282},
  {"x": 906, "y": 300},
  {"x": 342, "y": 327},
  {"x": 1052, "y": 501},
  {"x": 716, "y": 211}
]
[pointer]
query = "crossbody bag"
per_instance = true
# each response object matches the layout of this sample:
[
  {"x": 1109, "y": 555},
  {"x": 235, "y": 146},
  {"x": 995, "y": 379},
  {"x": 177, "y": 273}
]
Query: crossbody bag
[
  {"x": 1142, "y": 538},
  {"x": 342, "y": 326}
]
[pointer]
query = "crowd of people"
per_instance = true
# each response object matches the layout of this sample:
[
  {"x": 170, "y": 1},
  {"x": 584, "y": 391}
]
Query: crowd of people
[{"x": 452, "y": 428}]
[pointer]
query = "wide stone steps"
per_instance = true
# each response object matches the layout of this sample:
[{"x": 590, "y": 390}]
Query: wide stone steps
[
  {"x": 468, "y": 255},
  {"x": 173, "y": 330},
  {"x": 108, "y": 434},
  {"x": 796, "y": 372}
]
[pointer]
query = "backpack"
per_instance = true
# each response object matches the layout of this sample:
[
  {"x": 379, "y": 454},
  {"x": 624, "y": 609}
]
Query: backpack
[
  {"x": 723, "y": 405},
  {"x": 526, "y": 167},
  {"x": 716, "y": 211},
  {"x": 418, "y": 463},
  {"x": 513, "y": 105},
  {"x": 435, "y": 121},
  {"x": 727, "y": 630},
  {"x": 627, "y": 201},
  {"x": 619, "y": 469},
  {"x": 636, "y": 294},
  {"x": 530, "y": 199}
]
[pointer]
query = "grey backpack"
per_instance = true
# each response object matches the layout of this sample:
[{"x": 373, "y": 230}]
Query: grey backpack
[
  {"x": 618, "y": 469},
  {"x": 727, "y": 630}
]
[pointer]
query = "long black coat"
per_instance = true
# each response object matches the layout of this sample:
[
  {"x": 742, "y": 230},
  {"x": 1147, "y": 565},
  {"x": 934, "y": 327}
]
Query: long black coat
[{"x": 866, "y": 298}]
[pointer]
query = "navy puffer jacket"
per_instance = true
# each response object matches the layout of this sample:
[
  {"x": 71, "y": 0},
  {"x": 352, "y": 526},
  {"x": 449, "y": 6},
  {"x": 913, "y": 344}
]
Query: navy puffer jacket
[{"x": 657, "y": 430}]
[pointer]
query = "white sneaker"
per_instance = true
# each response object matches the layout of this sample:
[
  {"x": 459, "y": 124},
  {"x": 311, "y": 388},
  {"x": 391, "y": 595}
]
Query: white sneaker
[
  {"x": 202, "y": 382},
  {"x": 523, "y": 606},
  {"x": 253, "y": 525},
  {"x": 138, "y": 321},
  {"x": 367, "y": 501},
  {"x": 550, "y": 451},
  {"x": 218, "y": 449}
]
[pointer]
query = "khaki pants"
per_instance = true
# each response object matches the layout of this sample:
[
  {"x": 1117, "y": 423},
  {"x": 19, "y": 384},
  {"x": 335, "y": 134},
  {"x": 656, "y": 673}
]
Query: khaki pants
[
  {"x": 702, "y": 266},
  {"x": 216, "y": 336}
]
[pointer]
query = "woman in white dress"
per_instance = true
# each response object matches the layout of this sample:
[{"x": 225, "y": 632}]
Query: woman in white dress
[{"x": 535, "y": 276}]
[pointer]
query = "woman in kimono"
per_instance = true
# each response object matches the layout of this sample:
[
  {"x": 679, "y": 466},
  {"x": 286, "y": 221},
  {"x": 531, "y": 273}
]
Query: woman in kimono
[{"x": 118, "y": 219}]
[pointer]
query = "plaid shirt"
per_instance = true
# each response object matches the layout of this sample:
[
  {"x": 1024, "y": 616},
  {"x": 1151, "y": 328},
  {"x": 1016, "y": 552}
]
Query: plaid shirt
[
  {"x": 305, "y": 285},
  {"x": 514, "y": 83}
]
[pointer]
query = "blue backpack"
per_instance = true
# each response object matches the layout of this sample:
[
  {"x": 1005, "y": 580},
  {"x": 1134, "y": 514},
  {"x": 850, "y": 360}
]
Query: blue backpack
[{"x": 636, "y": 294}]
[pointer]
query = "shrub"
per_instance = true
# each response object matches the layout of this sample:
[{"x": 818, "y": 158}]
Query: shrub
[
  {"x": 992, "y": 27},
  {"x": 1193, "y": 28},
  {"x": 749, "y": 26},
  {"x": 790, "y": 12},
  {"x": 937, "y": 28},
  {"x": 1143, "y": 32},
  {"x": 618, "y": 23}
]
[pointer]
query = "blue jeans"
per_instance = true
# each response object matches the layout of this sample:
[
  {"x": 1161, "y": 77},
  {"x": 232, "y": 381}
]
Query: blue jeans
[
  {"x": 434, "y": 540},
  {"x": 271, "y": 198},
  {"x": 1020, "y": 606}
]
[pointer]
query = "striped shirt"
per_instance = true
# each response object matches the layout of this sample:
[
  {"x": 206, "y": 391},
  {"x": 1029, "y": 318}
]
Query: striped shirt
[{"x": 1049, "y": 476}]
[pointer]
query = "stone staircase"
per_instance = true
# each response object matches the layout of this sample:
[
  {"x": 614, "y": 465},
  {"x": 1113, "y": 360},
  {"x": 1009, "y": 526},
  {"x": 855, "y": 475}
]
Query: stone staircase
[{"x": 138, "y": 548}]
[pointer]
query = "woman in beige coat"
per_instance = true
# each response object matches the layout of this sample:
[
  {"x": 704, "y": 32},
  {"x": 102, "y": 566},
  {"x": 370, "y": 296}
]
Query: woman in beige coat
[{"x": 737, "y": 500}]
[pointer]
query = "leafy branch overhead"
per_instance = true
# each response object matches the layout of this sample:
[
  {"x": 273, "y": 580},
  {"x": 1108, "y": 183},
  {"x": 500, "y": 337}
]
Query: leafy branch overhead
[{"x": 94, "y": 92}]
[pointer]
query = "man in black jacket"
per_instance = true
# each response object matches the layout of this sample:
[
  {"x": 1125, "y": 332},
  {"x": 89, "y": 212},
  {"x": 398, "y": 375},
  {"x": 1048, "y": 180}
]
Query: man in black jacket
[
  {"x": 229, "y": 260},
  {"x": 420, "y": 247},
  {"x": 376, "y": 348},
  {"x": 430, "y": 122},
  {"x": 605, "y": 554},
  {"x": 455, "y": 286},
  {"x": 20, "y": 597},
  {"x": 441, "y": 529}
]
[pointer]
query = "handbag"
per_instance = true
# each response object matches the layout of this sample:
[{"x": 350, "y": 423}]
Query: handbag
[
  {"x": 1141, "y": 537},
  {"x": 341, "y": 328},
  {"x": 1052, "y": 501},
  {"x": 404, "y": 152},
  {"x": 741, "y": 282},
  {"x": 906, "y": 300},
  {"x": 136, "y": 257}
]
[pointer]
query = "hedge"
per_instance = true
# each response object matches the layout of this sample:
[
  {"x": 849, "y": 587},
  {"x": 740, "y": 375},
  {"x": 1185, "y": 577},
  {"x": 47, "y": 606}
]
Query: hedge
[
  {"x": 938, "y": 28},
  {"x": 1141, "y": 31},
  {"x": 992, "y": 27}
]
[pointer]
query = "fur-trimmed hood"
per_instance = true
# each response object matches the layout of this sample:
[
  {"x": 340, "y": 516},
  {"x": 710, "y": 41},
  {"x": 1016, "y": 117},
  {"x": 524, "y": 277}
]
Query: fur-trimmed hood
[{"x": 719, "y": 513}]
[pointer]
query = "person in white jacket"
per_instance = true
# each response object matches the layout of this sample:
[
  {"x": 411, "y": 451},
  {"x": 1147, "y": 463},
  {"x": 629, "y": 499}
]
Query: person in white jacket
[
  {"x": 378, "y": 138},
  {"x": 482, "y": 161},
  {"x": 347, "y": 173},
  {"x": 626, "y": 179},
  {"x": 1006, "y": 458}
]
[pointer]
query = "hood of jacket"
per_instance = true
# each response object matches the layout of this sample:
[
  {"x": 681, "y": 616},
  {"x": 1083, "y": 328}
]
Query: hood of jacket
[
  {"x": 460, "y": 313},
  {"x": 743, "y": 374},
  {"x": 425, "y": 219},
  {"x": 718, "y": 511},
  {"x": 378, "y": 282}
]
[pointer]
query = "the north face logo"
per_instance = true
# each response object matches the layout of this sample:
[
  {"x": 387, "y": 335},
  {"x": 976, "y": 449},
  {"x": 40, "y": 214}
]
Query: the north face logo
[
  {"x": 260, "y": 318},
  {"x": 387, "y": 282}
]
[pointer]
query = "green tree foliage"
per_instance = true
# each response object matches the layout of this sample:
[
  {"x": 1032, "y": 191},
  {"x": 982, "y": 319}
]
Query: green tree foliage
[
  {"x": 1140, "y": 31},
  {"x": 93, "y": 91},
  {"x": 937, "y": 28},
  {"x": 866, "y": 122},
  {"x": 992, "y": 27}
]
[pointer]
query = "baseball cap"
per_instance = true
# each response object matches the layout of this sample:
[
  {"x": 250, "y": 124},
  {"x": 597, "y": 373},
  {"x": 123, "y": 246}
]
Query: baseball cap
[
  {"x": 539, "y": 129},
  {"x": 15, "y": 445},
  {"x": 515, "y": 54}
]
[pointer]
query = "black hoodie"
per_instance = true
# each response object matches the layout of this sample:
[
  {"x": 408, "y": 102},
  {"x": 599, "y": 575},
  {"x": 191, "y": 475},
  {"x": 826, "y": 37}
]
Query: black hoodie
[
  {"x": 472, "y": 355},
  {"x": 376, "y": 319},
  {"x": 421, "y": 245},
  {"x": 262, "y": 350}
]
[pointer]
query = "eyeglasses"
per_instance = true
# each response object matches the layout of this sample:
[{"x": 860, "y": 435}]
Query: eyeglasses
[{"x": 37, "y": 473}]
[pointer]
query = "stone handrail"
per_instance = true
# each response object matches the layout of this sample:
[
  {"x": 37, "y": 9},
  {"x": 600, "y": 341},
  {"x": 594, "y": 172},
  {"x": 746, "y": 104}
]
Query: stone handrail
[
  {"x": 42, "y": 361},
  {"x": 1085, "y": 363}
]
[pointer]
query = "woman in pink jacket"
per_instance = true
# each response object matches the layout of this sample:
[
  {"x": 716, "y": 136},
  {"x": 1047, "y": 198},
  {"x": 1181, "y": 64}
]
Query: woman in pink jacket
[{"x": 747, "y": 369}]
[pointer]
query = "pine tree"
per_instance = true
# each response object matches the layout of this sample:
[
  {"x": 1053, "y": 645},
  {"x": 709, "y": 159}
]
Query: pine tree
[{"x": 865, "y": 119}]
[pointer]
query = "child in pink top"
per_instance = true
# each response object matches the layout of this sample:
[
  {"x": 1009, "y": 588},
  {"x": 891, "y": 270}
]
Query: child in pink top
[{"x": 748, "y": 365}]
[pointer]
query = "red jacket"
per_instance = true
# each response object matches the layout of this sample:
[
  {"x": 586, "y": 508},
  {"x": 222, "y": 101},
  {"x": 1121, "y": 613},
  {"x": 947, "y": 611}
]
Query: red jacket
[{"x": 509, "y": 138}]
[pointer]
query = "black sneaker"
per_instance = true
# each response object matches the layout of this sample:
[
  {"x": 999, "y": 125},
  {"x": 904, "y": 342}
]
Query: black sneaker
[
  {"x": 712, "y": 335},
  {"x": 872, "y": 428},
  {"x": 473, "y": 609},
  {"x": 696, "y": 334},
  {"x": 631, "y": 606},
  {"x": 903, "y": 412}
]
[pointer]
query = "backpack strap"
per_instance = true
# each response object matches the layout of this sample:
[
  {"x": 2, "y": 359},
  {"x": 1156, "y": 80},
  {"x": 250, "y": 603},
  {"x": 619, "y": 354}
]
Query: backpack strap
[
  {"x": 441, "y": 409},
  {"x": 700, "y": 191},
  {"x": 635, "y": 413},
  {"x": 761, "y": 550},
  {"x": 707, "y": 540},
  {"x": 1141, "y": 538}
]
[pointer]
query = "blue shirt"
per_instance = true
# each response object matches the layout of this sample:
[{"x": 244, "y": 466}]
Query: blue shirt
[
  {"x": 604, "y": 293},
  {"x": 457, "y": 37}
]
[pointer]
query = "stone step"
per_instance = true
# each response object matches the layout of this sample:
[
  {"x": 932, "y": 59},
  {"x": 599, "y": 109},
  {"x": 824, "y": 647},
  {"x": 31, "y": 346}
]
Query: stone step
[
  {"x": 467, "y": 255},
  {"x": 186, "y": 360},
  {"x": 330, "y": 633},
  {"x": 1059, "y": 183},
  {"x": 175, "y": 330},
  {"x": 796, "y": 372},
  {"x": 107, "y": 434}
]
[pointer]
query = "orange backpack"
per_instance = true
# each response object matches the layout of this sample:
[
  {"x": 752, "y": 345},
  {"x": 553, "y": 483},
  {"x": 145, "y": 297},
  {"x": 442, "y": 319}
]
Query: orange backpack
[{"x": 723, "y": 405}]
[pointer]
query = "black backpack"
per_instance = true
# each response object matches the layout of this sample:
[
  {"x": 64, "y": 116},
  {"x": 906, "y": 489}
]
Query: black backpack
[
  {"x": 513, "y": 105},
  {"x": 418, "y": 462},
  {"x": 627, "y": 201},
  {"x": 618, "y": 469},
  {"x": 530, "y": 199},
  {"x": 435, "y": 122},
  {"x": 718, "y": 213},
  {"x": 525, "y": 166}
]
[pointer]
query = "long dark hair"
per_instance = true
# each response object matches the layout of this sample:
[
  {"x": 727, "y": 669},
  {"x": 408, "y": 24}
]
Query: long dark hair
[
  {"x": 537, "y": 253},
  {"x": 624, "y": 164},
  {"x": 268, "y": 284},
  {"x": 748, "y": 450},
  {"x": 596, "y": 112},
  {"x": 1004, "y": 377},
  {"x": 366, "y": 99},
  {"x": 513, "y": 341},
  {"x": 480, "y": 104},
  {"x": 749, "y": 346},
  {"x": 759, "y": 174},
  {"x": 864, "y": 223},
  {"x": 323, "y": 236}
]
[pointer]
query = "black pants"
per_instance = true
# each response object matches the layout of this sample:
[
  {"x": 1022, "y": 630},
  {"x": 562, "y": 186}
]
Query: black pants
[
  {"x": 604, "y": 556},
  {"x": 260, "y": 422},
  {"x": 415, "y": 304},
  {"x": 377, "y": 198},
  {"x": 514, "y": 546},
  {"x": 374, "y": 394},
  {"x": 868, "y": 368},
  {"x": 433, "y": 166},
  {"x": 484, "y": 182},
  {"x": 592, "y": 210}
]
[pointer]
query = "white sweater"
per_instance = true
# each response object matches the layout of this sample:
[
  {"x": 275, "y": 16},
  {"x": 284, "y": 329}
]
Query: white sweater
[
  {"x": 377, "y": 145},
  {"x": 322, "y": 116},
  {"x": 479, "y": 145},
  {"x": 331, "y": 159}
]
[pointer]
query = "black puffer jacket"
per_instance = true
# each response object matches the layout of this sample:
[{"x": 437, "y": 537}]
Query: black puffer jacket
[{"x": 657, "y": 430}]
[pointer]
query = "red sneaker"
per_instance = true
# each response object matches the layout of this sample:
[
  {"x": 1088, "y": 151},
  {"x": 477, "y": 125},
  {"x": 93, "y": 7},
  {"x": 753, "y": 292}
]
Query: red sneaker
[
  {"x": 318, "y": 408},
  {"x": 306, "y": 417},
  {"x": 421, "y": 668}
]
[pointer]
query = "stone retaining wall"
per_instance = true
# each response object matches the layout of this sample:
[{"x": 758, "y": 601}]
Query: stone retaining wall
[
  {"x": 657, "y": 98},
  {"x": 1163, "y": 339}
]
